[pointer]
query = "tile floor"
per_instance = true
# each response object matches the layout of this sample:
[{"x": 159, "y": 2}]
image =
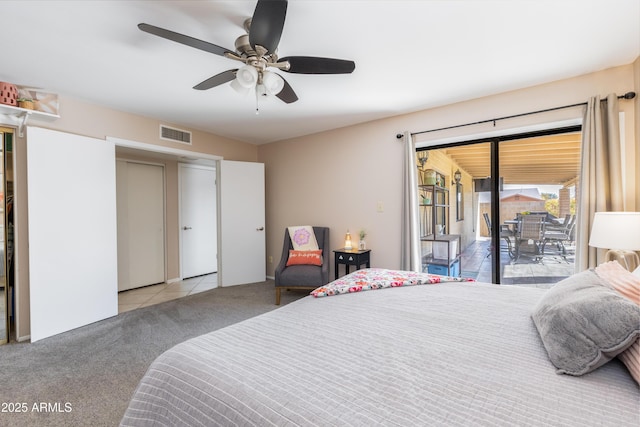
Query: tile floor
[{"x": 154, "y": 294}]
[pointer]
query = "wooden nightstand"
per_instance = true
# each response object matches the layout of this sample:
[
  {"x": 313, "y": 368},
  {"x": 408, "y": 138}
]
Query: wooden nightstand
[{"x": 349, "y": 257}]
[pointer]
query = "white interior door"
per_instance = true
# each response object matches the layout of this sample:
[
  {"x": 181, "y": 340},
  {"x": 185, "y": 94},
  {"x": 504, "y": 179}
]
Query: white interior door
[
  {"x": 141, "y": 236},
  {"x": 198, "y": 220},
  {"x": 242, "y": 236},
  {"x": 73, "y": 267}
]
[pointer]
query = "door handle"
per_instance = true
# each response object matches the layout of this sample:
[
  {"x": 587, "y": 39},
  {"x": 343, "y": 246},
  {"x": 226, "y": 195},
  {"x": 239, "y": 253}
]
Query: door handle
[
  {"x": 260, "y": 229},
  {"x": 186, "y": 228}
]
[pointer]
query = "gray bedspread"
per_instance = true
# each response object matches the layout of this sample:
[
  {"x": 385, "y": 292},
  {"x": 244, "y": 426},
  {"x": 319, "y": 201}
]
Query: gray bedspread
[{"x": 429, "y": 355}]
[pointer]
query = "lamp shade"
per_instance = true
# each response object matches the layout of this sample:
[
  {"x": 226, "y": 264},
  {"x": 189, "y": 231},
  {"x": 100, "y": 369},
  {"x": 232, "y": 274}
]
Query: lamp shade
[
  {"x": 273, "y": 83},
  {"x": 239, "y": 88},
  {"x": 247, "y": 76},
  {"x": 616, "y": 230},
  {"x": 347, "y": 241}
]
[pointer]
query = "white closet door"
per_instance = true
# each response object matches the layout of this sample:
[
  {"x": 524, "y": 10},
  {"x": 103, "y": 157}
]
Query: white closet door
[
  {"x": 141, "y": 253},
  {"x": 242, "y": 215},
  {"x": 198, "y": 220},
  {"x": 72, "y": 231}
]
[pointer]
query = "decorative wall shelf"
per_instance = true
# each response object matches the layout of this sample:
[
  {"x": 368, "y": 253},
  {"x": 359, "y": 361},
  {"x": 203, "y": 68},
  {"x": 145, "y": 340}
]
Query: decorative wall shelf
[{"x": 20, "y": 116}]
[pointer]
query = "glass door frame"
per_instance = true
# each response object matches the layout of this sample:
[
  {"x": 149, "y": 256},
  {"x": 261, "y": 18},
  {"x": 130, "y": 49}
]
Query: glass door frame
[
  {"x": 4, "y": 131},
  {"x": 495, "y": 183}
]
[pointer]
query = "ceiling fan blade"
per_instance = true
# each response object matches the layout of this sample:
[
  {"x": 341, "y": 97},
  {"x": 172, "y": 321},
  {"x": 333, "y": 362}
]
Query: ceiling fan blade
[
  {"x": 267, "y": 24},
  {"x": 181, "y": 38},
  {"x": 315, "y": 65},
  {"x": 287, "y": 94},
  {"x": 217, "y": 80}
]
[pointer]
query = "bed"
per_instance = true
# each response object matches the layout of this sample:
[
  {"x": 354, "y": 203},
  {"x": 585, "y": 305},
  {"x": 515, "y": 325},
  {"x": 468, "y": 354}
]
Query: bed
[{"x": 420, "y": 350}]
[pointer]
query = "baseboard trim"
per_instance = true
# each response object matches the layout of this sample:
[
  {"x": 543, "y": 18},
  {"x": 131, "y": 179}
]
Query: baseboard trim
[
  {"x": 174, "y": 280},
  {"x": 24, "y": 338},
  {"x": 271, "y": 277}
]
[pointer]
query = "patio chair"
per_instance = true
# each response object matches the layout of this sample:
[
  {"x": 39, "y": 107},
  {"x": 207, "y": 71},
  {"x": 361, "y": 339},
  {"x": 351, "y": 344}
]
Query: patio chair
[
  {"x": 506, "y": 233},
  {"x": 557, "y": 225},
  {"x": 530, "y": 233},
  {"x": 559, "y": 236}
]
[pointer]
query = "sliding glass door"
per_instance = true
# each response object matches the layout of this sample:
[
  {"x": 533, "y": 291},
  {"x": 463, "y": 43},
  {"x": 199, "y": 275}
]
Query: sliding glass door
[
  {"x": 537, "y": 206},
  {"x": 450, "y": 209},
  {"x": 537, "y": 175}
]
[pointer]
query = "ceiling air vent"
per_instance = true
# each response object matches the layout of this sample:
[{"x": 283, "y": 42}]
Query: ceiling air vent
[{"x": 176, "y": 135}]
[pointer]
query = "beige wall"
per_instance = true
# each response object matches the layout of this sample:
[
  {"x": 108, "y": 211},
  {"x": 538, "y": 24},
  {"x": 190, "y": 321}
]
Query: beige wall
[
  {"x": 336, "y": 178},
  {"x": 99, "y": 122},
  {"x": 86, "y": 119}
]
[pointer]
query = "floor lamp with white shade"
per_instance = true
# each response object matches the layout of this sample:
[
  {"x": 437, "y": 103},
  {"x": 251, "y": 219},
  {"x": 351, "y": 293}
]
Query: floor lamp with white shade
[{"x": 620, "y": 233}]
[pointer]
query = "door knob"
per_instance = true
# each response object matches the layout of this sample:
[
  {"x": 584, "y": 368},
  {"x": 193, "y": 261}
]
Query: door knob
[
  {"x": 260, "y": 229},
  {"x": 186, "y": 228}
]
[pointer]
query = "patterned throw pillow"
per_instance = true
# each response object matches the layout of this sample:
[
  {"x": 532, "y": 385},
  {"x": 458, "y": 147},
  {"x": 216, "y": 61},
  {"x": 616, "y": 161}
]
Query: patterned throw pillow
[
  {"x": 304, "y": 257},
  {"x": 303, "y": 238}
]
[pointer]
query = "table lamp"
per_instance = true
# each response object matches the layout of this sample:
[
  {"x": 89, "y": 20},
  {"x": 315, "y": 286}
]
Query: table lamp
[
  {"x": 620, "y": 233},
  {"x": 347, "y": 241}
]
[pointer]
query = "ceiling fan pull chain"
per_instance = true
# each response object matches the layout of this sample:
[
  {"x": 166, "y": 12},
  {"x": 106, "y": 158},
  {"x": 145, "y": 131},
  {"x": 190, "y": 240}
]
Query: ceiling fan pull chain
[{"x": 257, "y": 97}]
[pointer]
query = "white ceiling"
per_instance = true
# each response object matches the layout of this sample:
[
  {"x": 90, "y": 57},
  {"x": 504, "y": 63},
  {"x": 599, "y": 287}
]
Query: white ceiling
[{"x": 409, "y": 55}]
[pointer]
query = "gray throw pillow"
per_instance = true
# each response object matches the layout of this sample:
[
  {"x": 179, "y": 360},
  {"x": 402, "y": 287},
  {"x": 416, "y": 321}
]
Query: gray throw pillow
[{"x": 583, "y": 323}]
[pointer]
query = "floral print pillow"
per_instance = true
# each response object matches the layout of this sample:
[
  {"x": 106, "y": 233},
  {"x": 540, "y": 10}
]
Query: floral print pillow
[{"x": 378, "y": 278}]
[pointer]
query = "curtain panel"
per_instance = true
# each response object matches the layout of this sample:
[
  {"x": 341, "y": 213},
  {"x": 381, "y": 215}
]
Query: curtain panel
[
  {"x": 600, "y": 187},
  {"x": 410, "y": 226}
]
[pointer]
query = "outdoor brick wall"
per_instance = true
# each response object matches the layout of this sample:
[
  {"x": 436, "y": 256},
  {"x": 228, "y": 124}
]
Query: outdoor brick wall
[{"x": 564, "y": 204}]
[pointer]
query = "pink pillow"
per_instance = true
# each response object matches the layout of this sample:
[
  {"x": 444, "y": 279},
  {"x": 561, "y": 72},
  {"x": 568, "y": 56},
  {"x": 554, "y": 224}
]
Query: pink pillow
[
  {"x": 628, "y": 285},
  {"x": 631, "y": 359},
  {"x": 620, "y": 279}
]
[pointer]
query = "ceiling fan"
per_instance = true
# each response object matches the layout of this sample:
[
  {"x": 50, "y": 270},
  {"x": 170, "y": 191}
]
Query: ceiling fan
[{"x": 258, "y": 51}]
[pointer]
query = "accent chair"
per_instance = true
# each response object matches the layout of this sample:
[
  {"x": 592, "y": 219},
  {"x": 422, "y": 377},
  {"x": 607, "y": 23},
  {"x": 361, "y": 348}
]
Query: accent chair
[{"x": 303, "y": 276}]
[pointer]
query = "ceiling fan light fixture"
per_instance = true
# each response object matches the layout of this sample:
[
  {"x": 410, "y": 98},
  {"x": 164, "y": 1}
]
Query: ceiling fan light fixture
[
  {"x": 239, "y": 88},
  {"x": 272, "y": 82},
  {"x": 247, "y": 76},
  {"x": 257, "y": 50},
  {"x": 261, "y": 90}
]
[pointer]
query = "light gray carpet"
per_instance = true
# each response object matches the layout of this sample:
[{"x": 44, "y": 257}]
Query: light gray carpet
[{"x": 86, "y": 377}]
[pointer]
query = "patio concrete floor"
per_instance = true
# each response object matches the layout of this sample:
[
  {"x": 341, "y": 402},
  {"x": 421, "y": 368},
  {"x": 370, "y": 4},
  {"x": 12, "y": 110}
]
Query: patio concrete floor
[{"x": 526, "y": 271}]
